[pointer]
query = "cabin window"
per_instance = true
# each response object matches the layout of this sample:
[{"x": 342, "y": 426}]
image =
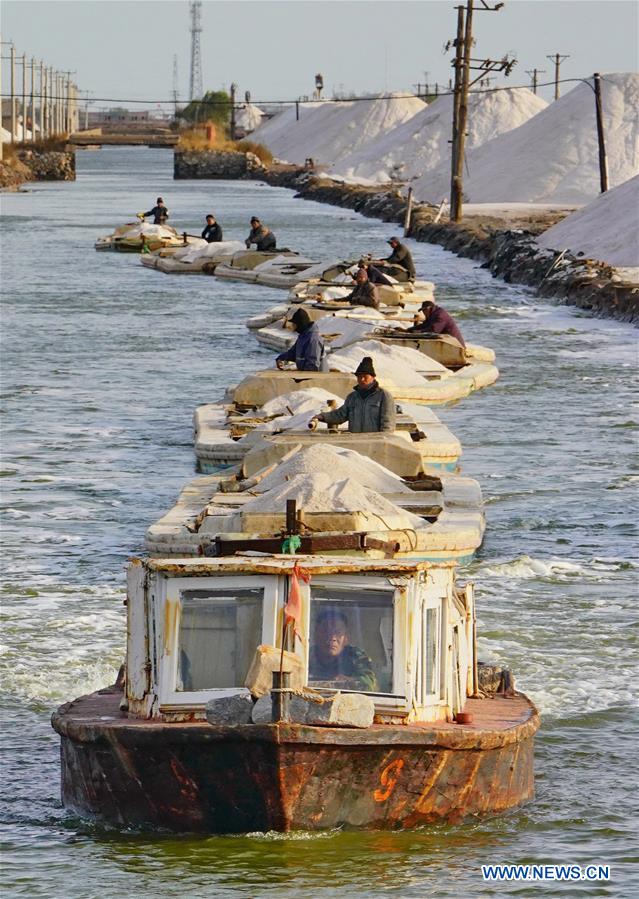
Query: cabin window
[
  {"x": 351, "y": 640},
  {"x": 431, "y": 641},
  {"x": 219, "y": 631}
]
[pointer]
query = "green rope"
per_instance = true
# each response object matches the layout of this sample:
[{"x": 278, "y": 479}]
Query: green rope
[{"x": 291, "y": 544}]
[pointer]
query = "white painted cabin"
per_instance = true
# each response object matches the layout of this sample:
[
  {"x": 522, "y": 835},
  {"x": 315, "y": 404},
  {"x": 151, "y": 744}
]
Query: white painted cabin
[{"x": 194, "y": 626}]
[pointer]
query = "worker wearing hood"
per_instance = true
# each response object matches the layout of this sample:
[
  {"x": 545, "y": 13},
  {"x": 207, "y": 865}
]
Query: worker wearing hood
[{"x": 308, "y": 350}]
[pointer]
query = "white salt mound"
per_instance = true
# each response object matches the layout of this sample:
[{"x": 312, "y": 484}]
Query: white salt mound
[
  {"x": 423, "y": 142},
  {"x": 340, "y": 463},
  {"x": 319, "y": 491},
  {"x": 203, "y": 250},
  {"x": 397, "y": 365},
  {"x": 606, "y": 229},
  {"x": 329, "y": 131},
  {"x": 553, "y": 157},
  {"x": 296, "y": 401}
]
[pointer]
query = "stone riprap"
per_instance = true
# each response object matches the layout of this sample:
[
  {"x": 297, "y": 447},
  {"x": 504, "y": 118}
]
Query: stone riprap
[
  {"x": 49, "y": 165},
  {"x": 214, "y": 164}
]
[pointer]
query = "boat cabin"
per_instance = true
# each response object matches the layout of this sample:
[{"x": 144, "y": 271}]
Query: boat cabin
[{"x": 398, "y": 631}]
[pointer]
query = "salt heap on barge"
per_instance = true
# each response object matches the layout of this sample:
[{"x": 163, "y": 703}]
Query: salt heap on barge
[{"x": 375, "y": 512}]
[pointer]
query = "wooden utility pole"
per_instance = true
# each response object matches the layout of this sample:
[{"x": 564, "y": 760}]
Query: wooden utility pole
[
  {"x": 462, "y": 119},
  {"x": 32, "y": 100},
  {"x": 42, "y": 90},
  {"x": 603, "y": 161},
  {"x": 533, "y": 74},
  {"x": 12, "y": 85},
  {"x": 557, "y": 60},
  {"x": 463, "y": 63},
  {"x": 24, "y": 97},
  {"x": 459, "y": 50}
]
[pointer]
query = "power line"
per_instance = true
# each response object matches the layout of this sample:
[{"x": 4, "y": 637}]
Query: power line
[{"x": 393, "y": 96}]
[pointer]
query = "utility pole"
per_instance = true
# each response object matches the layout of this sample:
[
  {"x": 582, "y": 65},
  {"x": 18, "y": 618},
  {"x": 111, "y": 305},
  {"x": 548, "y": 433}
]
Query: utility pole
[
  {"x": 603, "y": 162},
  {"x": 557, "y": 59},
  {"x": 533, "y": 74},
  {"x": 42, "y": 90},
  {"x": 32, "y": 100},
  {"x": 24, "y": 97},
  {"x": 233, "y": 90},
  {"x": 459, "y": 49},
  {"x": 12, "y": 85},
  {"x": 1, "y": 142},
  {"x": 463, "y": 63}
]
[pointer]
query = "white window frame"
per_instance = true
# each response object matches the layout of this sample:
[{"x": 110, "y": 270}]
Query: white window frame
[
  {"x": 400, "y": 697},
  {"x": 169, "y": 696}
]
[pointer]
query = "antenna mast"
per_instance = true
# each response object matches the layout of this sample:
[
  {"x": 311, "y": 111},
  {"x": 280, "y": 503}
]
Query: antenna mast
[{"x": 195, "y": 86}]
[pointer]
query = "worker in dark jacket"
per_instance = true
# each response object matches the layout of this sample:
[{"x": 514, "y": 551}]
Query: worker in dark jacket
[
  {"x": 364, "y": 293},
  {"x": 374, "y": 274},
  {"x": 213, "y": 231},
  {"x": 159, "y": 212},
  {"x": 367, "y": 407},
  {"x": 261, "y": 236},
  {"x": 400, "y": 262},
  {"x": 437, "y": 321},
  {"x": 308, "y": 350}
]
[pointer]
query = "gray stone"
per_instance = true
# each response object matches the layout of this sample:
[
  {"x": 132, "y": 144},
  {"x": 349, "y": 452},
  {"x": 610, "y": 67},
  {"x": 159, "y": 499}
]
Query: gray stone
[
  {"x": 230, "y": 709},
  {"x": 341, "y": 710}
]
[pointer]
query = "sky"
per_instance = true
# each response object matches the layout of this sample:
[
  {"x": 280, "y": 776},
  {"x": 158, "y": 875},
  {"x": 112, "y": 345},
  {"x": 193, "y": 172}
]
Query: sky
[{"x": 123, "y": 50}]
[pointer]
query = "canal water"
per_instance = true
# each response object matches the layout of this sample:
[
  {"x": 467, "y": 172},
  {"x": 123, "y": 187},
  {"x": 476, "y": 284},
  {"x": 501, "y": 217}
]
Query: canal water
[{"x": 103, "y": 364}]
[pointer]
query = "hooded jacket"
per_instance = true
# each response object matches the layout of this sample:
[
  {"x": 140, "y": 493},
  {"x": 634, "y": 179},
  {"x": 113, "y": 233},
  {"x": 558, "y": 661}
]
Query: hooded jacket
[{"x": 308, "y": 350}]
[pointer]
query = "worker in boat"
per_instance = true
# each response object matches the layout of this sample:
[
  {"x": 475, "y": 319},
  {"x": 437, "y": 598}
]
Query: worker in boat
[
  {"x": 437, "y": 321},
  {"x": 334, "y": 661},
  {"x": 374, "y": 274},
  {"x": 213, "y": 231},
  {"x": 308, "y": 350},
  {"x": 261, "y": 236},
  {"x": 367, "y": 407},
  {"x": 159, "y": 212},
  {"x": 399, "y": 264},
  {"x": 364, "y": 293}
]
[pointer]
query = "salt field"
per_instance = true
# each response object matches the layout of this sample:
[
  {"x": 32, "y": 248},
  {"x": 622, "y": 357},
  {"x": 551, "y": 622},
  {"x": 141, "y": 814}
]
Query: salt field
[{"x": 103, "y": 364}]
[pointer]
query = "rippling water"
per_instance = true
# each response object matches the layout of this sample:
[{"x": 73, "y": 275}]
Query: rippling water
[{"x": 103, "y": 364}]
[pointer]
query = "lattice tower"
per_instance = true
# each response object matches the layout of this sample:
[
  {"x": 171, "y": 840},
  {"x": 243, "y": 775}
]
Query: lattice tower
[{"x": 195, "y": 86}]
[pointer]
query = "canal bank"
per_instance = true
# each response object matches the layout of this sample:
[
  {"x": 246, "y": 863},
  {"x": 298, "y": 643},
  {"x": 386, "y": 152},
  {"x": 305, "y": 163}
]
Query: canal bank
[{"x": 507, "y": 249}]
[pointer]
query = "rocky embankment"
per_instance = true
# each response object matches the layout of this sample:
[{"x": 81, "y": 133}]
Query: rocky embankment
[
  {"x": 508, "y": 250},
  {"x": 36, "y": 165},
  {"x": 216, "y": 164}
]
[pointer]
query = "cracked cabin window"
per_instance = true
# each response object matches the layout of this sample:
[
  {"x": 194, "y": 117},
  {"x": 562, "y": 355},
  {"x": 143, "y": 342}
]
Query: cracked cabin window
[
  {"x": 219, "y": 633},
  {"x": 351, "y": 640}
]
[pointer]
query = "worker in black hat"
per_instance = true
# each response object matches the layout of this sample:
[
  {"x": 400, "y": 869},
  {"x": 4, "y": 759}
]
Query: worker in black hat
[
  {"x": 308, "y": 350},
  {"x": 399, "y": 264},
  {"x": 159, "y": 212},
  {"x": 261, "y": 236},
  {"x": 367, "y": 407},
  {"x": 436, "y": 321},
  {"x": 213, "y": 231}
]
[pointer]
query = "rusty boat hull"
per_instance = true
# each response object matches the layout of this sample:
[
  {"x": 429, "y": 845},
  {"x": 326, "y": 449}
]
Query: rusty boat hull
[{"x": 195, "y": 777}]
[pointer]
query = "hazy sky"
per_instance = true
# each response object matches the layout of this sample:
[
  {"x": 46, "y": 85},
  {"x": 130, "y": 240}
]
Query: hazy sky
[{"x": 123, "y": 49}]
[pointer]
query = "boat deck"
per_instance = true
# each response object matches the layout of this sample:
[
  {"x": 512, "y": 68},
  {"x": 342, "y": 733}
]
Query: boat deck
[{"x": 497, "y": 721}]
